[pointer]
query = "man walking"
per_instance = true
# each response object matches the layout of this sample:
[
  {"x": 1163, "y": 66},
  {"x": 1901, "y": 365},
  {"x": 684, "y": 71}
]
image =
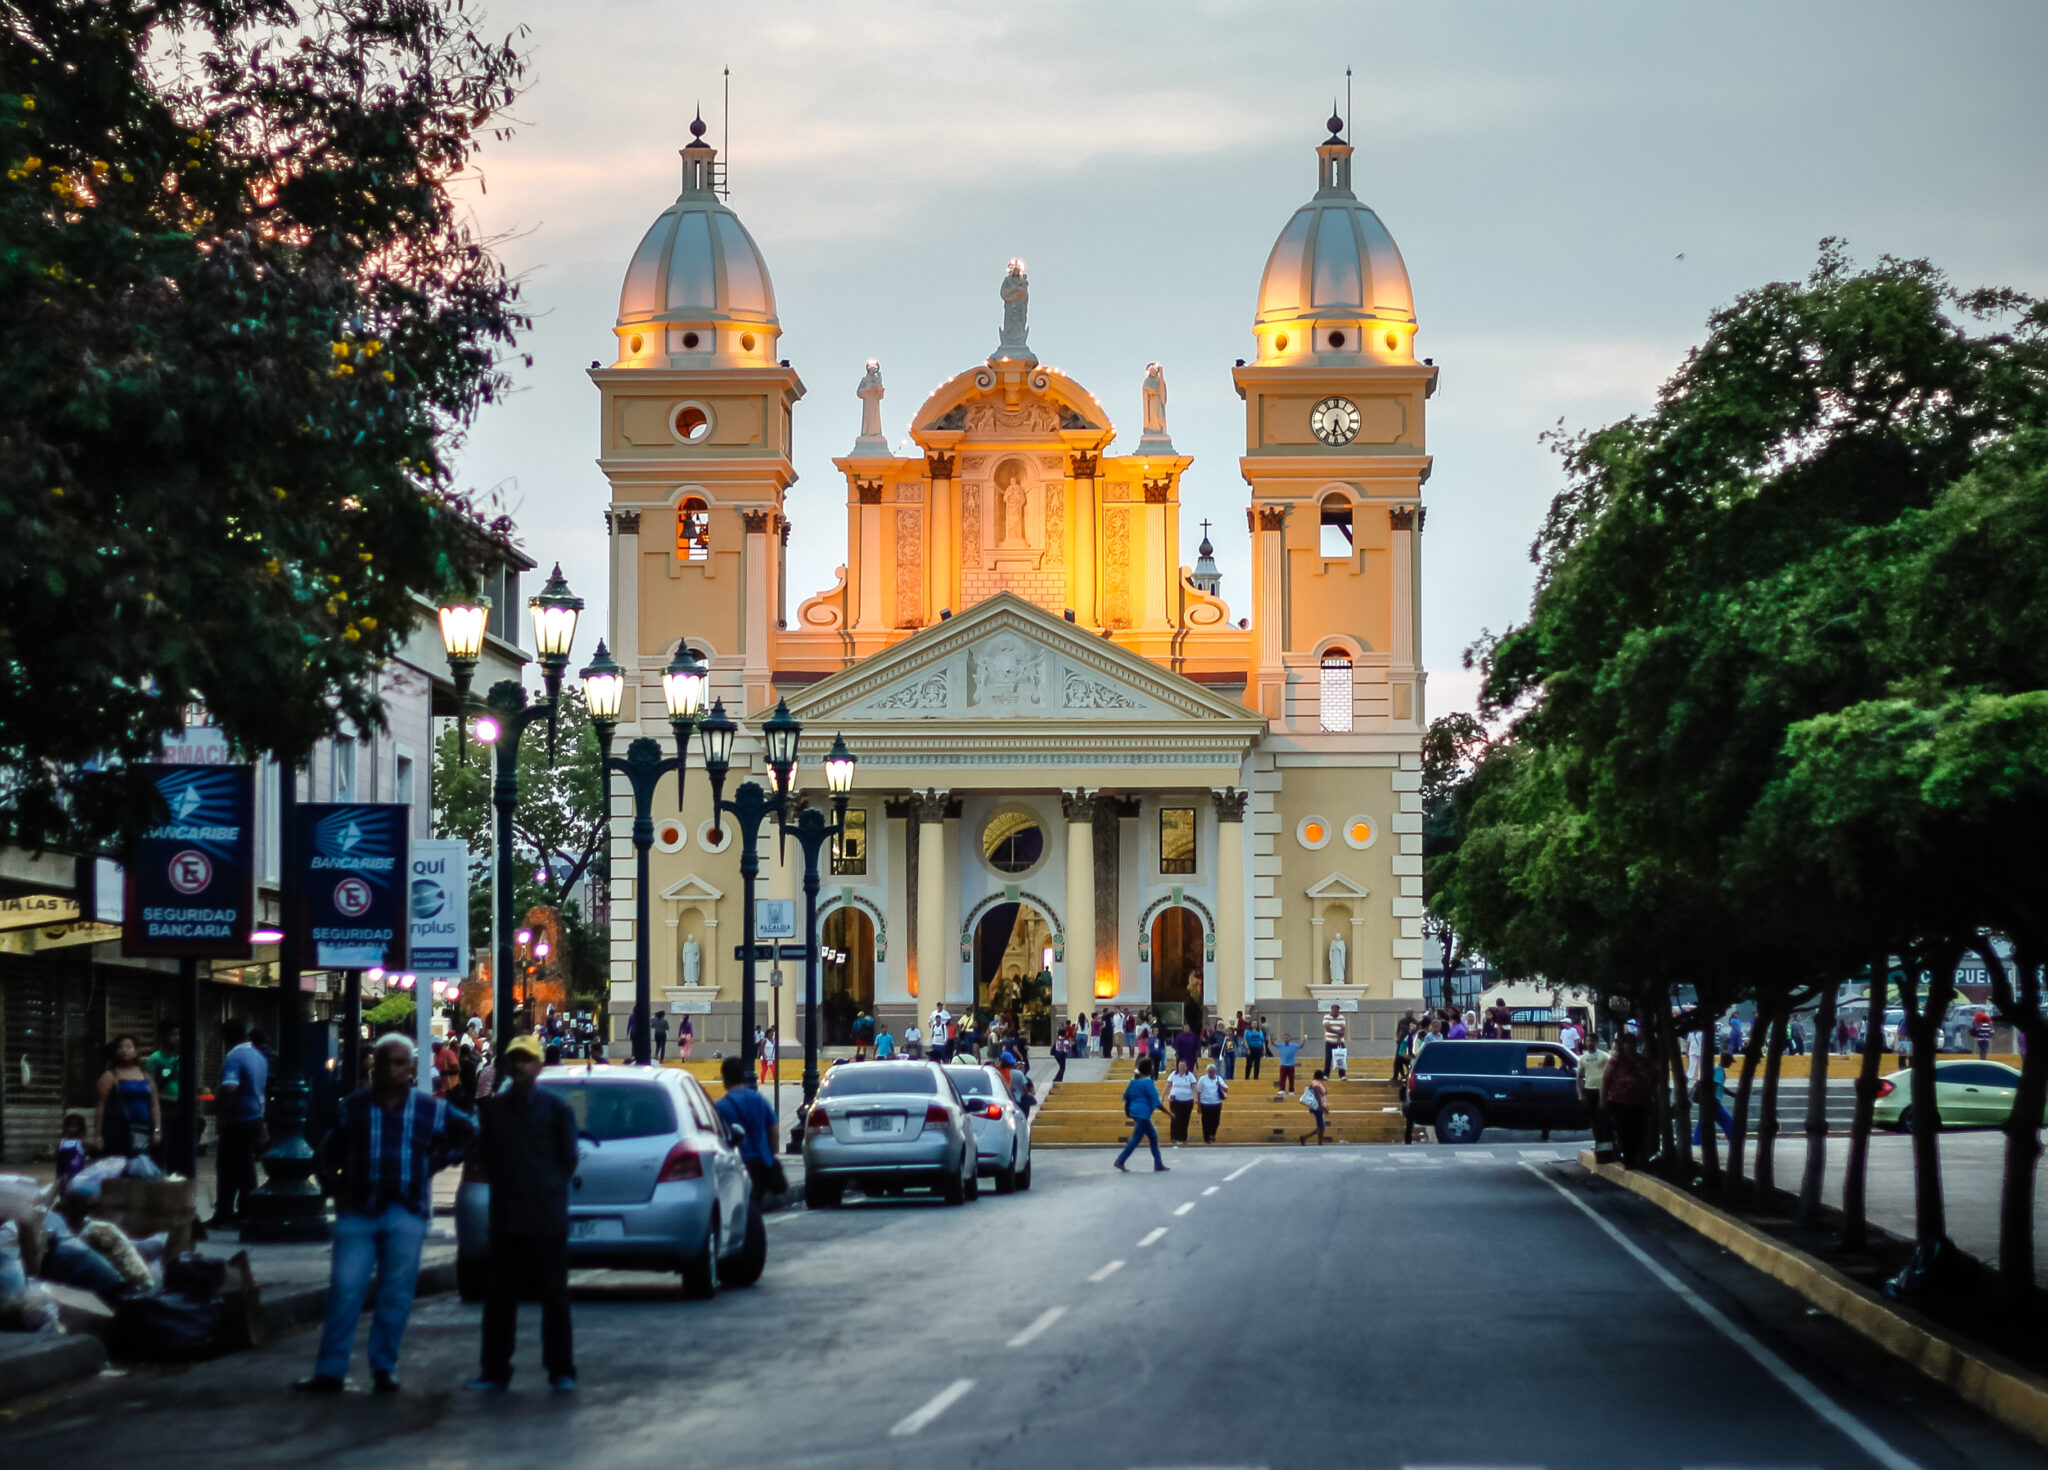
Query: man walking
[
  {"x": 238, "y": 1114},
  {"x": 377, "y": 1162},
  {"x": 1254, "y": 1049},
  {"x": 661, "y": 1036},
  {"x": 1141, "y": 1101},
  {"x": 528, "y": 1151},
  {"x": 752, "y": 1113}
]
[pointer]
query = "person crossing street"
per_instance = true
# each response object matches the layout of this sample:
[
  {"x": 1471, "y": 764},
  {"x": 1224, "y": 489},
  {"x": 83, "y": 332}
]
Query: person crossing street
[{"x": 1141, "y": 1101}]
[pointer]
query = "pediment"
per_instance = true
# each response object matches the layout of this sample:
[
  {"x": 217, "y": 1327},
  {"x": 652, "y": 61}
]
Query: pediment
[
  {"x": 1336, "y": 885},
  {"x": 1009, "y": 402},
  {"x": 692, "y": 889},
  {"x": 1005, "y": 660}
]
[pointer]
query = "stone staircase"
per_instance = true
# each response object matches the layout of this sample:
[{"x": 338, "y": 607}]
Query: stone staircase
[{"x": 1091, "y": 1114}]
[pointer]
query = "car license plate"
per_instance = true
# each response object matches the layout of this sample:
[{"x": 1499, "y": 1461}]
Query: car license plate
[
  {"x": 608, "y": 1227},
  {"x": 880, "y": 1123}
]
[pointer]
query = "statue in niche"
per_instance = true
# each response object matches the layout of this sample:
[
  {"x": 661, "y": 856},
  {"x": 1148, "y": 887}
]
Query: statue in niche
[
  {"x": 1011, "y": 493},
  {"x": 693, "y": 961},
  {"x": 1338, "y": 952},
  {"x": 1016, "y": 294},
  {"x": 1155, "y": 400},
  {"x": 870, "y": 395}
]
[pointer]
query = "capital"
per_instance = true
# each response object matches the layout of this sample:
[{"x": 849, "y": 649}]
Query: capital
[
  {"x": 1230, "y": 803},
  {"x": 930, "y": 806},
  {"x": 1077, "y": 805}
]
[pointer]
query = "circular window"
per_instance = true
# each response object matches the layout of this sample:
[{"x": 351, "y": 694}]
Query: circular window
[
  {"x": 671, "y": 834},
  {"x": 746, "y": 341},
  {"x": 1280, "y": 343},
  {"x": 689, "y": 339},
  {"x": 1312, "y": 833},
  {"x": 691, "y": 423},
  {"x": 1336, "y": 339},
  {"x": 713, "y": 842},
  {"x": 1013, "y": 842},
  {"x": 1361, "y": 832},
  {"x": 633, "y": 344},
  {"x": 1393, "y": 342}
]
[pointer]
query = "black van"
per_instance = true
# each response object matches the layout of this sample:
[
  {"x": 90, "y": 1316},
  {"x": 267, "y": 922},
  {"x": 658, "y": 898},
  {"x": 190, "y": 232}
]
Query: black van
[{"x": 1466, "y": 1087}]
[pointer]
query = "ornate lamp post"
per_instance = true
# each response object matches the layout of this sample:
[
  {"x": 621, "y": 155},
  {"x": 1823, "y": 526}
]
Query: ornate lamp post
[
  {"x": 604, "y": 692},
  {"x": 812, "y": 833},
  {"x": 554, "y": 610}
]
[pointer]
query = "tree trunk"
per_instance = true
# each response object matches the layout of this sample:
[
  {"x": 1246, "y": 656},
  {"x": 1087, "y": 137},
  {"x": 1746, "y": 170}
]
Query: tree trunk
[
  {"x": 1767, "y": 1111},
  {"x": 1660, "y": 1032},
  {"x": 2023, "y": 1128},
  {"x": 1710, "y": 1146},
  {"x": 1814, "y": 1176},
  {"x": 1752, "y": 1048},
  {"x": 1923, "y": 1024},
  {"x": 1855, "y": 1225}
]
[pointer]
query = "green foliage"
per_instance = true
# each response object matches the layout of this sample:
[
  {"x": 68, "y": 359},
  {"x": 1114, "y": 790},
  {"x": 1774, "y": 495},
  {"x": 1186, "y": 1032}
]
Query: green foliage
[
  {"x": 392, "y": 1010},
  {"x": 245, "y": 320}
]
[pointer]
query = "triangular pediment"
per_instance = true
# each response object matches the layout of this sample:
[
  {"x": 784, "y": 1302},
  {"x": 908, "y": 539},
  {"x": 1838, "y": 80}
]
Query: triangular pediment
[
  {"x": 692, "y": 889},
  {"x": 1336, "y": 885},
  {"x": 1006, "y": 660}
]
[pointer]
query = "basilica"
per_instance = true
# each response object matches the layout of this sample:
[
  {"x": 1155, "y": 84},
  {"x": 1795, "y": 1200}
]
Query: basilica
[{"x": 1085, "y": 780}]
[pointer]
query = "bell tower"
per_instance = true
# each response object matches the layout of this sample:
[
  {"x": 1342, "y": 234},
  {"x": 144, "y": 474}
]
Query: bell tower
[{"x": 1336, "y": 454}]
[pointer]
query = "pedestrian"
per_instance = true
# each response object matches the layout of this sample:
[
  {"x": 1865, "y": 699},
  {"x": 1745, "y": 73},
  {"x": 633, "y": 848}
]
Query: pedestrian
[
  {"x": 1570, "y": 1034},
  {"x": 377, "y": 1163},
  {"x": 1233, "y": 1048},
  {"x": 1187, "y": 1047},
  {"x": 1592, "y": 1066},
  {"x": 1210, "y": 1091},
  {"x": 1080, "y": 1048},
  {"x": 72, "y": 1153},
  {"x": 1180, "y": 1101},
  {"x": 661, "y": 1036},
  {"x": 238, "y": 1117},
  {"x": 1254, "y": 1049},
  {"x": 754, "y": 1116},
  {"x": 162, "y": 1064},
  {"x": 1625, "y": 1091},
  {"x": 130, "y": 1117},
  {"x": 1336, "y": 1038},
  {"x": 1061, "y": 1048},
  {"x": 1722, "y": 1117},
  {"x": 686, "y": 1037},
  {"x": 863, "y": 1035},
  {"x": 632, "y": 1030},
  {"x": 768, "y": 1055},
  {"x": 1462, "y": 1027},
  {"x": 913, "y": 1041},
  {"x": 1316, "y": 1098},
  {"x": 941, "y": 1037},
  {"x": 885, "y": 1042},
  {"x": 527, "y": 1147},
  {"x": 1286, "y": 1054},
  {"x": 1141, "y": 1101},
  {"x": 1981, "y": 1031}
]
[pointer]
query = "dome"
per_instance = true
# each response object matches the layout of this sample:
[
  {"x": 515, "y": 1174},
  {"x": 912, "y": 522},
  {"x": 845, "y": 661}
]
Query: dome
[
  {"x": 1335, "y": 287},
  {"x": 697, "y": 293}
]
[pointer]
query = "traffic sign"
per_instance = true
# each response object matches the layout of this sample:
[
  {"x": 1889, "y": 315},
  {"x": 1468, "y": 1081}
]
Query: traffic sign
[{"x": 772, "y": 951}]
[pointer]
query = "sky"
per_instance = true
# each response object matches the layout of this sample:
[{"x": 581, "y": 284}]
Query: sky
[{"x": 1575, "y": 187}]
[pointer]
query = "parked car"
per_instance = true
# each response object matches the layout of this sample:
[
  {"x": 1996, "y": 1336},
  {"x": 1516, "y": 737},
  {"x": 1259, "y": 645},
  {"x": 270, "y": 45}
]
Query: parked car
[
  {"x": 1462, "y": 1088},
  {"x": 1002, "y": 1130},
  {"x": 660, "y": 1186},
  {"x": 885, "y": 1127},
  {"x": 1969, "y": 1094}
]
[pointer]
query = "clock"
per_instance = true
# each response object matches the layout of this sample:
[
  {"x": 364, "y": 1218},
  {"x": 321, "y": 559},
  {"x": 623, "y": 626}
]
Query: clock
[{"x": 1335, "y": 420}]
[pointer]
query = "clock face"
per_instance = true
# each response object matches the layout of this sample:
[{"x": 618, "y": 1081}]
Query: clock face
[{"x": 1335, "y": 420}]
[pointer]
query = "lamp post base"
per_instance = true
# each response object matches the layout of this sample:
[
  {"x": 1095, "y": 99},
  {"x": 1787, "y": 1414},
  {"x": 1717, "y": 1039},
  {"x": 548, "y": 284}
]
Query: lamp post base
[{"x": 289, "y": 1207}]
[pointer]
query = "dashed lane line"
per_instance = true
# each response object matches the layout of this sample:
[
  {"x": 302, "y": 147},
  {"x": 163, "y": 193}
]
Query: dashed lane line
[
  {"x": 1184, "y": 1209},
  {"x": 939, "y": 1402},
  {"x": 1038, "y": 1328},
  {"x": 1212, "y": 1189},
  {"x": 1242, "y": 1170},
  {"x": 1153, "y": 1236},
  {"x": 1107, "y": 1271}
]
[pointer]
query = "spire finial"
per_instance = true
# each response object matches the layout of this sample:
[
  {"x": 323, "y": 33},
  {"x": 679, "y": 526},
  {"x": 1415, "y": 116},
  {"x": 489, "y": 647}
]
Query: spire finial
[
  {"x": 697, "y": 124},
  {"x": 1335, "y": 124}
]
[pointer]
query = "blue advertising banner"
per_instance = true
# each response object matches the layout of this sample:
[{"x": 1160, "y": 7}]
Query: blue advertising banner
[
  {"x": 352, "y": 885},
  {"x": 189, "y": 887}
]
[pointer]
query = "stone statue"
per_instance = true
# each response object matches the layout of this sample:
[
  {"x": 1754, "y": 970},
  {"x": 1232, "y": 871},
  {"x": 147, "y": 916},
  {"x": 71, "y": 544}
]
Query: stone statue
[
  {"x": 870, "y": 394},
  {"x": 693, "y": 961},
  {"x": 1337, "y": 953},
  {"x": 1016, "y": 294},
  {"x": 1155, "y": 399}
]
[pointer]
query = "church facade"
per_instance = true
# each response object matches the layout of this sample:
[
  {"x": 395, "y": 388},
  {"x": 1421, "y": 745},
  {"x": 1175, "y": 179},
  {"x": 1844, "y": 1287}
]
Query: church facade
[{"x": 1085, "y": 780}]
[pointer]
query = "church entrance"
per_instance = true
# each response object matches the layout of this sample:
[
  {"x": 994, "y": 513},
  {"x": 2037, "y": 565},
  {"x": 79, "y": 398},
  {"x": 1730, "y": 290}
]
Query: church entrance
[
  {"x": 1013, "y": 969},
  {"x": 846, "y": 973},
  {"x": 1177, "y": 968}
]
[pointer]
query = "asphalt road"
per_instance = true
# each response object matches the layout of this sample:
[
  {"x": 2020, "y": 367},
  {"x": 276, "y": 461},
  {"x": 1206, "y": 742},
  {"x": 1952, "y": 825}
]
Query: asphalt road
[{"x": 1370, "y": 1307}]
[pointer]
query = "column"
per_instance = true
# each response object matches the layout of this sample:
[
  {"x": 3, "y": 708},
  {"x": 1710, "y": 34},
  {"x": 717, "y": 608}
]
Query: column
[
  {"x": 1233, "y": 994},
  {"x": 1269, "y": 573},
  {"x": 1403, "y": 706},
  {"x": 866, "y": 558},
  {"x": 756, "y": 679},
  {"x": 1079, "y": 970},
  {"x": 935, "y": 944}
]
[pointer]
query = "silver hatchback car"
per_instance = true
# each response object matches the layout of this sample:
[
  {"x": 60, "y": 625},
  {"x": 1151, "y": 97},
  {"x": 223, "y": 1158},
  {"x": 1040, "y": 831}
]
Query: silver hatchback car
[
  {"x": 660, "y": 1187},
  {"x": 887, "y": 1126},
  {"x": 1002, "y": 1129}
]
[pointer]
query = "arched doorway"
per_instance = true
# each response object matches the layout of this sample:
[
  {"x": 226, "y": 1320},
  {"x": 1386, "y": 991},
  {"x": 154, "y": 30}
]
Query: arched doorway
[
  {"x": 846, "y": 974},
  {"x": 1012, "y": 961},
  {"x": 1177, "y": 968}
]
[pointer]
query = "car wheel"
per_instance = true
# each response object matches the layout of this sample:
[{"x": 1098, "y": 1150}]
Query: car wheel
[
  {"x": 822, "y": 1194},
  {"x": 1006, "y": 1177},
  {"x": 953, "y": 1189},
  {"x": 1905, "y": 1123},
  {"x": 1024, "y": 1177},
  {"x": 744, "y": 1267},
  {"x": 700, "y": 1272},
  {"x": 1459, "y": 1122},
  {"x": 973, "y": 1182},
  {"x": 469, "y": 1278}
]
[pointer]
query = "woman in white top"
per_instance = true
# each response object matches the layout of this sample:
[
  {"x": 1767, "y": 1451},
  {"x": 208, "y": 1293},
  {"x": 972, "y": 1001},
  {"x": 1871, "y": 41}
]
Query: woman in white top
[
  {"x": 1180, "y": 1101},
  {"x": 1210, "y": 1090}
]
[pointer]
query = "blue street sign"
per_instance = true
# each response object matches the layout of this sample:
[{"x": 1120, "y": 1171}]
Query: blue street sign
[
  {"x": 353, "y": 885},
  {"x": 189, "y": 889}
]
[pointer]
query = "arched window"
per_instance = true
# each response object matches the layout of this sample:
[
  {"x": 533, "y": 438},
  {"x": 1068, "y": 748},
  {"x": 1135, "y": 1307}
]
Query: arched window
[
  {"x": 693, "y": 531},
  {"x": 1336, "y": 692},
  {"x": 1337, "y": 540}
]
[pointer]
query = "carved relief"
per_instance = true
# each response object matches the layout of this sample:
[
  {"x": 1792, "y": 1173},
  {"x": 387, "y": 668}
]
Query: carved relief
[
  {"x": 1078, "y": 805},
  {"x": 1401, "y": 517},
  {"x": 909, "y": 567},
  {"x": 1009, "y": 503},
  {"x": 973, "y": 463},
  {"x": 1116, "y": 588},
  {"x": 758, "y": 522},
  {"x": 1031, "y": 418},
  {"x": 1050, "y": 462},
  {"x": 870, "y": 491},
  {"x": 940, "y": 465},
  {"x": 1084, "y": 464},
  {"x": 910, "y": 490},
  {"x": 1006, "y": 673},
  {"x": 1155, "y": 491},
  {"x": 1082, "y": 692},
  {"x": 970, "y": 526},
  {"x": 926, "y": 693},
  {"x": 1116, "y": 490},
  {"x": 1055, "y": 524},
  {"x": 1230, "y": 803},
  {"x": 1272, "y": 517},
  {"x": 928, "y": 807},
  {"x": 952, "y": 418}
]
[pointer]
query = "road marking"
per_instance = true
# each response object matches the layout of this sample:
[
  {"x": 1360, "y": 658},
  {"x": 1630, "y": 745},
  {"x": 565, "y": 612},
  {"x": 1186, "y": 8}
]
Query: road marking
[
  {"x": 1212, "y": 1189},
  {"x": 1037, "y": 1329},
  {"x": 1471, "y": 1467},
  {"x": 1107, "y": 1271},
  {"x": 1540, "y": 1153},
  {"x": 1471, "y": 1158},
  {"x": 1409, "y": 1156},
  {"x": 1152, "y": 1236},
  {"x": 1184, "y": 1209},
  {"x": 1243, "y": 1170},
  {"x": 943, "y": 1400},
  {"x": 1866, "y": 1439}
]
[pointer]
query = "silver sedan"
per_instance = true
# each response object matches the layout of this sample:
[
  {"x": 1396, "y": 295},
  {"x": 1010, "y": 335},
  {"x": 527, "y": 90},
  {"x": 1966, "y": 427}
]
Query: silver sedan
[
  {"x": 1002, "y": 1129},
  {"x": 884, "y": 1127}
]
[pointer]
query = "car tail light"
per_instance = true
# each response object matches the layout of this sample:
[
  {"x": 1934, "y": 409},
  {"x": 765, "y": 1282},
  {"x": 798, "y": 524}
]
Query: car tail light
[
  {"x": 993, "y": 1110},
  {"x": 683, "y": 1162},
  {"x": 936, "y": 1114},
  {"x": 1886, "y": 1087},
  {"x": 820, "y": 1118}
]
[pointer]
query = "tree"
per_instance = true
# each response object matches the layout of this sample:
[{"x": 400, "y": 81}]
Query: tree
[
  {"x": 1451, "y": 747},
  {"x": 245, "y": 323}
]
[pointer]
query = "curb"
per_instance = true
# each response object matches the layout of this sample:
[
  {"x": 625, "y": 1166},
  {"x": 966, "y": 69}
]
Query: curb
[{"x": 2011, "y": 1394}]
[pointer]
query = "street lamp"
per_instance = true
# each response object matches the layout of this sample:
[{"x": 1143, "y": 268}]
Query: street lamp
[{"x": 812, "y": 833}]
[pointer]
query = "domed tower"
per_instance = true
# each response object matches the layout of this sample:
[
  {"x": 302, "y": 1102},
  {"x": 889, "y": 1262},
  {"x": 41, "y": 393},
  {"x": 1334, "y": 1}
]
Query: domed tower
[
  {"x": 1335, "y": 455},
  {"x": 696, "y": 432}
]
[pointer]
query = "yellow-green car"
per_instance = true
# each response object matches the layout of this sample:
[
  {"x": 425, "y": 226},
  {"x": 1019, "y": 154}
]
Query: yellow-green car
[{"x": 1968, "y": 1094}]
